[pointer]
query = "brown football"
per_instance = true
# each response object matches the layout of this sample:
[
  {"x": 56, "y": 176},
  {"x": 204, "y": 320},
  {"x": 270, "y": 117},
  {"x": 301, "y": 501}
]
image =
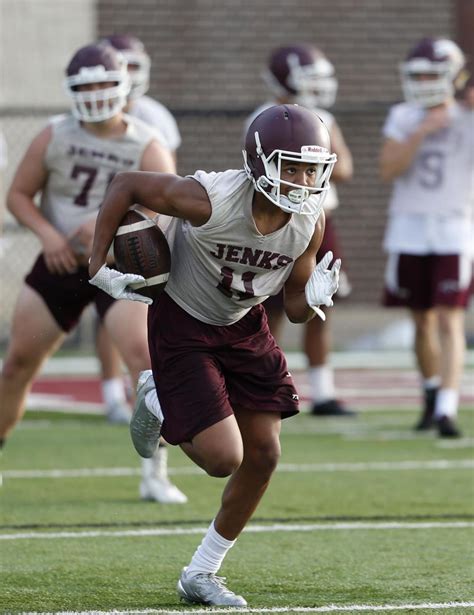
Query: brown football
[{"x": 140, "y": 247}]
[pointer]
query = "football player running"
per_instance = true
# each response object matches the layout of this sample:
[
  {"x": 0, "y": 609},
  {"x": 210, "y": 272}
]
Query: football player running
[
  {"x": 71, "y": 163},
  {"x": 302, "y": 74},
  {"x": 428, "y": 155},
  {"x": 223, "y": 382}
]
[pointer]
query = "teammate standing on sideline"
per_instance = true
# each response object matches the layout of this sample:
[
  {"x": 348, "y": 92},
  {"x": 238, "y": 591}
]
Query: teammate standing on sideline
[
  {"x": 71, "y": 162},
  {"x": 155, "y": 483},
  {"x": 428, "y": 155},
  {"x": 224, "y": 386},
  {"x": 302, "y": 74}
]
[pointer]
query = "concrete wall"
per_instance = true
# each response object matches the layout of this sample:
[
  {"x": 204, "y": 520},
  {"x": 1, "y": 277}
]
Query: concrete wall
[{"x": 37, "y": 38}]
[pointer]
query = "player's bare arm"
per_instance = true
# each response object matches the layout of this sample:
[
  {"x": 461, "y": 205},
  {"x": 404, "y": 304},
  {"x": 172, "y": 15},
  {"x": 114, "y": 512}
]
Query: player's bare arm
[
  {"x": 29, "y": 179},
  {"x": 396, "y": 157},
  {"x": 162, "y": 193},
  {"x": 344, "y": 168},
  {"x": 157, "y": 159},
  {"x": 296, "y": 306}
]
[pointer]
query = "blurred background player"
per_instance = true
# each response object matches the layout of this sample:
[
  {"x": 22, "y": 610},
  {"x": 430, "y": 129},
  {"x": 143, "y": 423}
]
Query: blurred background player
[
  {"x": 428, "y": 154},
  {"x": 139, "y": 105},
  {"x": 301, "y": 74},
  {"x": 157, "y": 116},
  {"x": 71, "y": 162},
  {"x": 160, "y": 118}
]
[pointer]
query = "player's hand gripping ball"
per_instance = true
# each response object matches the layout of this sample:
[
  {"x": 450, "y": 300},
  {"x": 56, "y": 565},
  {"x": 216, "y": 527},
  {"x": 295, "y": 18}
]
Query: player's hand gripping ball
[{"x": 140, "y": 247}]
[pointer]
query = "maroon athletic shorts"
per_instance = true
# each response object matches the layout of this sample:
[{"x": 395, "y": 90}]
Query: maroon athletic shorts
[
  {"x": 426, "y": 281},
  {"x": 330, "y": 242},
  {"x": 202, "y": 371},
  {"x": 67, "y": 295}
]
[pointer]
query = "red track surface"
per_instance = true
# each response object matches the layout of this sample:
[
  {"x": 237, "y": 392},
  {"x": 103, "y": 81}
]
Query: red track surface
[{"x": 361, "y": 388}]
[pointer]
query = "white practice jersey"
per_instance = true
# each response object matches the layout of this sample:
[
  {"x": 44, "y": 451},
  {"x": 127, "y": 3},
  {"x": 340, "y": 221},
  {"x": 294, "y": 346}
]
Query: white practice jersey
[
  {"x": 220, "y": 270},
  {"x": 159, "y": 117},
  {"x": 80, "y": 167},
  {"x": 332, "y": 200},
  {"x": 432, "y": 204}
]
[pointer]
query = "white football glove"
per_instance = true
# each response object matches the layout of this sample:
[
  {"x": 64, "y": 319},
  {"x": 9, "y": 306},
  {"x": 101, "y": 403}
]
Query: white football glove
[
  {"x": 322, "y": 284},
  {"x": 118, "y": 284}
]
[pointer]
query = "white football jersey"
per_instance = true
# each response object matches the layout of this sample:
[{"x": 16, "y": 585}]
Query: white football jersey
[
  {"x": 332, "y": 200},
  {"x": 432, "y": 203},
  {"x": 80, "y": 167},
  {"x": 159, "y": 117},
  {"x": 220, "y": 270}
]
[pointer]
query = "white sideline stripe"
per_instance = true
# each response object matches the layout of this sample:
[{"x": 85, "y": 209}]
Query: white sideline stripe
[
  {"x": 136, "y": 226},
  {"x": 251, "y": 529},
  {"x": 322, "y": 609},
  {"x": 376, "y": 466}
]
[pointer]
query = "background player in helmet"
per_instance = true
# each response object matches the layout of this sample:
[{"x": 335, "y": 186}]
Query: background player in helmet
[
  {"x": 302, "y": 74},
  {"x": 139, "y": 105},
  {"x": 156, "y": 115},
  {"x": 223, "y": 383},
  {"x": 159, "y": 117},
  {"x": 427, "y": 153},
  {"x": 71, "y": 162}
]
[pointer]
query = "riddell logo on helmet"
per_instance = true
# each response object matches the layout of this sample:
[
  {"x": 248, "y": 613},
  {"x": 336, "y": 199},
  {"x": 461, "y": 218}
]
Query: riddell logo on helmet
[{"x": 313, "y": 149}]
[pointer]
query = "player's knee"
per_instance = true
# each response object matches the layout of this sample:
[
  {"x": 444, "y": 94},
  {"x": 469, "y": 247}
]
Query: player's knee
[
  {"x": 223, "y": 465},
  {"x": 18, "y": 366},
  {"x": 137, "y": 357},
  {"x": 264, "y": 457}
]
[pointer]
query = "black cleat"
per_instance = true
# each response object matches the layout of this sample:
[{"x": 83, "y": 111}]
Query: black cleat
[
  {"x": 332, "y": 407},
  {"x": 427, "y": 418},
  {"x": 447, "y": 428}
]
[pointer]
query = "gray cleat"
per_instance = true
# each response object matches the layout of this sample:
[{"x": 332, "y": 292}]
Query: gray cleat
[
  {"x": 145, "y": 427},
  {"x": 208, "y": 589}
]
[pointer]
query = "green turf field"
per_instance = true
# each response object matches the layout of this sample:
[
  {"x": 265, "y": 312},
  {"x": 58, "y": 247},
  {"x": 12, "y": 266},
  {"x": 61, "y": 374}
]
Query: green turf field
[{"x": 361, "y": 512}]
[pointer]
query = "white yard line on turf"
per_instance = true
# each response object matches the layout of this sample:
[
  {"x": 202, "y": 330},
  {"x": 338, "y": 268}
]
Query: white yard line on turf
[
  {"x": 374, "y": 466},
  {"x": 251, "y": 529},
  {"x": 330, "y": 608}
]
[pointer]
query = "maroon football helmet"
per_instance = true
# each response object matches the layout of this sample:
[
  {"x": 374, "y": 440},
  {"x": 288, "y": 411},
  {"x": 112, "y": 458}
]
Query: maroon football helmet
[
  {"x": 138, "y": 61},
  {"x": 304, "y": 73},
  {"x": 289, "y": 133},
  {"x": 97, "y": 64},
  {"x": 439, "y": 62}
]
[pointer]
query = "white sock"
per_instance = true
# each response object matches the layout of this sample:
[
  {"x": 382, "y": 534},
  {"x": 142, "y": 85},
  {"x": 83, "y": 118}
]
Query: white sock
[
  {"x": 153, "y": 404},
  {"x": 431, "y": 383},
  {"x": 157, "y": 465},
  {"x": 447, "y": 401},
  {"x": 113, "y": 391},
  {"x": 210, "y": 554},
  {"x": 321, "y": 382}
]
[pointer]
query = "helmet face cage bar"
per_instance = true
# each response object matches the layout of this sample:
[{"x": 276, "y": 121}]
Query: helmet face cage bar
[
  {"x": 140, "y": 76},
  {"x": 427, "y": 92},
  {"x": 304, "y": 200},
  {"x": 315, "y": 84},
  {"x": 102, "y": 104}
]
